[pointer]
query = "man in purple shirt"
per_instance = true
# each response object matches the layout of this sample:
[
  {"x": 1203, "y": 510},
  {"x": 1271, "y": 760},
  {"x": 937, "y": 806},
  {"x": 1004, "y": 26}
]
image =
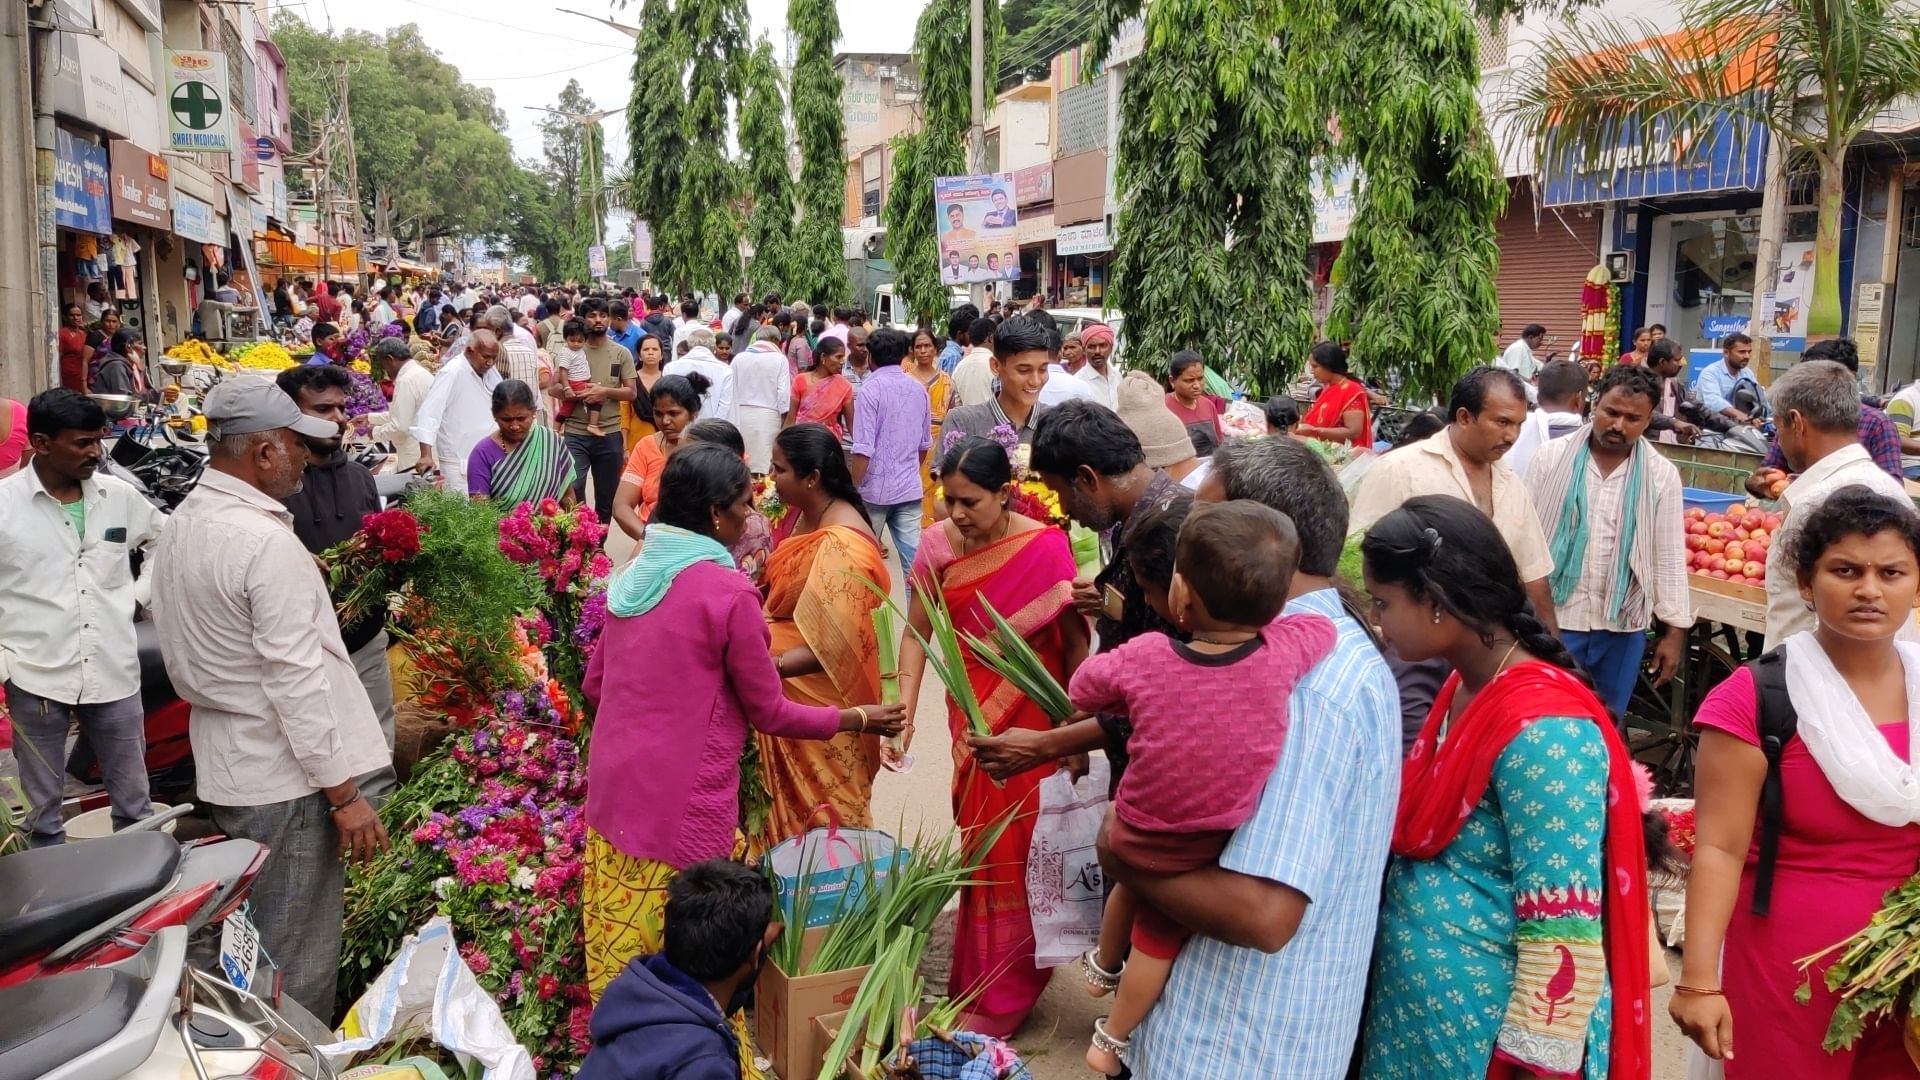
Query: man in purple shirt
[{"x": 892, "y": 433}]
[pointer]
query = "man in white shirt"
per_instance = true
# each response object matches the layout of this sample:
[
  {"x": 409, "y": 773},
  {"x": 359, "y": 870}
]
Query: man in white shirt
[
  {"x": 519, "y": 358},
  {"x": 732, "y": 315},
  {"x": 1100, "y": 372},
  {"x": 280, "y": 723},
  {"x": 411, "y": 381},
  {"x": 1519, "y": 357},
  {"x": 1629, "y": 562},
  {"x": 718, "y": 400},
  {"x": 528, "y": 301},
  {"x": 97, "y": 301},
  {"x": 1061, "y": 386},
  {"x": 1563, "y": 405},
  {"x": 67, "y": 643},
  {"x": 761, "y": 396},
  {"x": 458, "y": 411},
  {"x": 973, "y": 375},
  {"x": 1816, "y": 411}
]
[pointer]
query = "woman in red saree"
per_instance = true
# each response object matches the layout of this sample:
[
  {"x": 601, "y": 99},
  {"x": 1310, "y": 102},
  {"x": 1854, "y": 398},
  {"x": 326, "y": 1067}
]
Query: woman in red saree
[
  {"x": 984, "y": 551},
  {"x": 1342, "y": 412}
]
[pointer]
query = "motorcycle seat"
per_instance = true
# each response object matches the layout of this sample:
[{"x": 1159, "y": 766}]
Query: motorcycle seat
[
  {"x": 46, "y": 1023},
  {"x": 48, "y": 895}
]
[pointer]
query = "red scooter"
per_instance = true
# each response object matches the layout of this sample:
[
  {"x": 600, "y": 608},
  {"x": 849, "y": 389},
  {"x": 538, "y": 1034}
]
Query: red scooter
[{"x": 94, "y": 902}]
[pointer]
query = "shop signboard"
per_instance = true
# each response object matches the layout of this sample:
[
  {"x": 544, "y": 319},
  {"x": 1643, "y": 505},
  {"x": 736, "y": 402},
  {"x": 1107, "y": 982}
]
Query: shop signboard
[
  {"x": 81, "y": 184},
  {"x": 197, "y": 105},
  {"x": 1333, "y": 193},
  {"x": 194, "y": 220},
  {"x": 1088, "y": 239},
  {"x": 248, "y": 170},
  {"x": 1033, "y": 185},
  {"x": 975, "y": 222},
  {"x": 1725, "y": 152},
  {"x": 141, "y": 193},
  {"x": 87, "y": 85},
  {"x": 279, "y": 205}
]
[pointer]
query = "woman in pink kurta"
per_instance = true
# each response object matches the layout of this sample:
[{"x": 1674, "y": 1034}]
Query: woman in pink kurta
[{"x": 1834, "y": 863}]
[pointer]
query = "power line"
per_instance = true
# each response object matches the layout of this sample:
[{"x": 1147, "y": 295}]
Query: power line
[
  {"x": 470, "y": 17},
  {"x": 548, "y": 74},
  {"x": 1063, "y": 28}
]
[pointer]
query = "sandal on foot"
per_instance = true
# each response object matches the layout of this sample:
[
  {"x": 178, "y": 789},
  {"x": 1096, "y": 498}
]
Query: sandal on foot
[
  {"x": 1107, "y": 1055},
  {"x": 1100, "y": 981}
]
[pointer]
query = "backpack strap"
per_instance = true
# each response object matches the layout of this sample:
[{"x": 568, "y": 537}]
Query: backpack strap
[{"x": 1778, "y": 721}]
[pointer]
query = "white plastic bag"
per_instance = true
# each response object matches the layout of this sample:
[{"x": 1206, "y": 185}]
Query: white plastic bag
[
  {"x": 429, "y": 987},
  {"x": 1065, "y": 888}
]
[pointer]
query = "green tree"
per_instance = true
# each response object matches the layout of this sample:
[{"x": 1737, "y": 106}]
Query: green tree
[
  {"x": 432, "y": 158},
  {"x": 703, "y": 231},
  {"x": 531, "y": 227},
  {"x": 1418, "y": 267},
  {"x": 656, "y": 143},
  {"x": 1608, "y": 83},
  {"x": 941, "y": 46},
  {"x": 574, "y": 147},
  {"x": 819, "y": 270},
  {"x": 1213, "y": 170},
  {"x": 763, "y": 142}
]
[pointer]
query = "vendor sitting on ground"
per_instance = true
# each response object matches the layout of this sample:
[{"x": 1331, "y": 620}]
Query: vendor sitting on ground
[{"x": 665, "y": 1015}]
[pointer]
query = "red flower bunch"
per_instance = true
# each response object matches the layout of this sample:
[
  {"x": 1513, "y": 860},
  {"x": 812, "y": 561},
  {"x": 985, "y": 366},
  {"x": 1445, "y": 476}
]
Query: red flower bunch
[
  {"x": 393, "y": 534},
  {"x": 1680, "y": 829}
]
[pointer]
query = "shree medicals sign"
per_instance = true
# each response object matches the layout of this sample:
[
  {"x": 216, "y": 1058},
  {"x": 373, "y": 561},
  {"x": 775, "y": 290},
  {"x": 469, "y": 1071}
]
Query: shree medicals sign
[{"x": 198, "y": 113}]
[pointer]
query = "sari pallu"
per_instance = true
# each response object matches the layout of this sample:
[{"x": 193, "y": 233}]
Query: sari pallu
[
  {"x": 539, "y": 468},
  {"x": 1028, "y": 578},
  {"x": 816, "y": 598},
  {"x": 822, "y": 401}
]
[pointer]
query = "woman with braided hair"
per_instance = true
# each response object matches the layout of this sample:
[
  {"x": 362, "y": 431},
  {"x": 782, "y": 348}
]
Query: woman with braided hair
[{"x": 1513, "y": 928}]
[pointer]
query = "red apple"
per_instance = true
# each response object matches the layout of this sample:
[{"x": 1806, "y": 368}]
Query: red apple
[
  {"x": 1718, "y": 529},
  {"x": 1773, "y": 522},
  {"x": 1695, "y": 513},
  {"x": 1721, "y": 574},
  {"x": 1736, "y": 579},
  {"x": 1701, "y": 571},
  {"x": 1696, "y": 542},
  {"x": 1753, "y": 569},
  {"x": 1697, "y": 527},
  {"x": 1716, "y": 546},
  {"x": 1736, "y": 552}
]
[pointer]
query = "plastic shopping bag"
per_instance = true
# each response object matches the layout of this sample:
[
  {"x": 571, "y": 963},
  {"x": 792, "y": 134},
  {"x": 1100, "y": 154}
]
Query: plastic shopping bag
[
  {"x": 823, "y": 871},
  {"x": 1065, "y": 888},
  {"x": 428, "y": 987}
]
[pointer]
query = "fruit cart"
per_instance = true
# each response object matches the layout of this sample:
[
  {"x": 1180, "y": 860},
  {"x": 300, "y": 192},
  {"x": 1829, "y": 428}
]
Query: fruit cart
[{"x": 1730, "y": 620}]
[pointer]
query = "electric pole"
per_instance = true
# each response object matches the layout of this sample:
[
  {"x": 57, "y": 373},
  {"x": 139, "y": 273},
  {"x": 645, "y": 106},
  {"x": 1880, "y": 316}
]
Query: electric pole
[{"x": 977, "y": 130}]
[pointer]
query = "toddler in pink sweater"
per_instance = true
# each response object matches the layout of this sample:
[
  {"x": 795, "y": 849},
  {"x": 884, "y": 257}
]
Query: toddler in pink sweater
[{"x": 1208, "y": 719}]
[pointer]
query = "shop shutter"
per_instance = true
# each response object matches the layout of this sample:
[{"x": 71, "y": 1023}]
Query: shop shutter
[{"x": 1543, "y": 264}]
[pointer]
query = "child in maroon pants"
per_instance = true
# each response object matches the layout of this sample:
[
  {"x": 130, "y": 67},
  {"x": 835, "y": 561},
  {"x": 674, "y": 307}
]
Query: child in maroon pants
[{"x": 1208, "y": 720}]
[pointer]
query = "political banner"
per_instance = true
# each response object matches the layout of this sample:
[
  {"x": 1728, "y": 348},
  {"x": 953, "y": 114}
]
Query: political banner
[
  {"x": 597, "y": 261},
  {"x": 976, "y": 228},
  {"x": 198, "y": 119}
]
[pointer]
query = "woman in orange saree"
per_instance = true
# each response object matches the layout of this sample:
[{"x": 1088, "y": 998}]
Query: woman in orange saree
[
  {"x": 984, "y": 551},
  {"x": 821, "y": 616}
]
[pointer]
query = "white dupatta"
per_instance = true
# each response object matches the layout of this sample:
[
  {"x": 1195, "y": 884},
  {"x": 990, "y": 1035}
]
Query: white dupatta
[{"x": 1843, "y": 740}]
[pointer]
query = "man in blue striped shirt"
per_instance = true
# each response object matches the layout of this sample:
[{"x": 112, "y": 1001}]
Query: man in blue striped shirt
[{"x": 1273, "y": 983}]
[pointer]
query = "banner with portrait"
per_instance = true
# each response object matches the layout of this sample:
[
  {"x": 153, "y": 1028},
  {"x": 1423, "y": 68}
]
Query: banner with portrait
[{"x": 975, "y": 229}]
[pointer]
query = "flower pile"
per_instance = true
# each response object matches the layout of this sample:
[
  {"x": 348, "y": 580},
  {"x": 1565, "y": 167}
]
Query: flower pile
[
  {"x": 1680, "y": 830},
  {"x": 369, "y": 566},
  {"x": 766, "y": 499},
  {"x": 563, "y": 546},
  {"x": 262, "y": 356}
]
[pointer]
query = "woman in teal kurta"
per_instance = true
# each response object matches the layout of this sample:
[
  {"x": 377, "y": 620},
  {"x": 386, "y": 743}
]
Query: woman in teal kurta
[{"x": 1513, "y": 928}]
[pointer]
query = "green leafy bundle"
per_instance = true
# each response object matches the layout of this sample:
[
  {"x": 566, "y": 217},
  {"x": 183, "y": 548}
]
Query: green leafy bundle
[
  {"x": 465, "y": 591},
  {"x": 1008, "y": 654},
  {"x": 1877, "y": 973}
]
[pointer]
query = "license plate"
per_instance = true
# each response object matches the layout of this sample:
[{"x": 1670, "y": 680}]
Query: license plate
[{"x": 239, "y": 950}]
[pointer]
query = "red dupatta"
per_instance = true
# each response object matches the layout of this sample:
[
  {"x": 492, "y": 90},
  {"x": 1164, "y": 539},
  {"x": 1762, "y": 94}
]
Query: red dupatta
[{"x": 1439, "y": 789}]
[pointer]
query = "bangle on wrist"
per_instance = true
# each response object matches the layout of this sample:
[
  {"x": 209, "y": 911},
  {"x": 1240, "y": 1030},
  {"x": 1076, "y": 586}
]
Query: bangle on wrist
[
  {"x": 332, "y": 809},
  {"x": 1681, "y": 988}
]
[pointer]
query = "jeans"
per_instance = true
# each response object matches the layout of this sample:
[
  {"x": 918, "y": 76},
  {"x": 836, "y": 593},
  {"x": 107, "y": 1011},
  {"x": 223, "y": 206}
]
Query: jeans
[
  {"x": 117, "y": 731},
  {"x": 904, "y": 520},
  {"x": 370, "y": 662},
  {"x": 601, "y": 457},
  {"x": 1612, "y": 657},
  {"x": 299, "y": 899}
]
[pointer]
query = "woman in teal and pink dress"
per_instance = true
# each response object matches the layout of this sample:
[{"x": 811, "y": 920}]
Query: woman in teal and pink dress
[
  {"x": 1513, "y": 936},
  {"x": 1849, "y": 807}
]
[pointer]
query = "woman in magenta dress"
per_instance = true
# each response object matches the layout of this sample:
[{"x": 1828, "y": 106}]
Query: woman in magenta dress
[
  {"x": 1187, "y": 396},
  {"x": 1850, "y": 815}
]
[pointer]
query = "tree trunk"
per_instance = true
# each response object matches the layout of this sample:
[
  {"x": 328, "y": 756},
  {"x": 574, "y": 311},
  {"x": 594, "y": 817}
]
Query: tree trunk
[{"x": 1823, "y": 319}]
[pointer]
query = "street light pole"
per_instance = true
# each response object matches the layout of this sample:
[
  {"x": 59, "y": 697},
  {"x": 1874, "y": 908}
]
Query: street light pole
[{"x": 977, "y": 130}]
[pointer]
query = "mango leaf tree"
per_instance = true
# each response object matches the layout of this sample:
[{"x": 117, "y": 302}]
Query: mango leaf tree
[{"x": 818, "y": 271}]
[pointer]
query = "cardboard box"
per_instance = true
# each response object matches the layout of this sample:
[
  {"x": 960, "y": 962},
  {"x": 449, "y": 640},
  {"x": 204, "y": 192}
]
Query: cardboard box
[
  {"x": 825, "y": 1030},
  {"x": 784, "y": 1008}
]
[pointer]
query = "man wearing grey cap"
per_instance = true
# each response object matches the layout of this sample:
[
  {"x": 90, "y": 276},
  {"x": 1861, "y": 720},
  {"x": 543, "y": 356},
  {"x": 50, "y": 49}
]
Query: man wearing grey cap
[{"x": 280, "y": 722}]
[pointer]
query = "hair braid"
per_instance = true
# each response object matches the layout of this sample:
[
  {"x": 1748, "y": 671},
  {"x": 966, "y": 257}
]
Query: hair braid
[{"x": 1533, "y": 636}]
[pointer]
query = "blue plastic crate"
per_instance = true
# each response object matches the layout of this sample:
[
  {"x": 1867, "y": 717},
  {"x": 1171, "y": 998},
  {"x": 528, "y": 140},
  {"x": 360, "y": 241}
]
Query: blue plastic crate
[{"x": 1714, "y": 502}]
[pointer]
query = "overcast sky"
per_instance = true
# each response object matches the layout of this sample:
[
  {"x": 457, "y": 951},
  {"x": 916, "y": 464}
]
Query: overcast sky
[{"x": 526, "y": 50}]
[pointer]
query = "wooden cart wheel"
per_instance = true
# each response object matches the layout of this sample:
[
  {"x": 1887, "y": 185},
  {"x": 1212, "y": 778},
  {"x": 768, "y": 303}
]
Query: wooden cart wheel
[{"x": 1659, "y": 722}]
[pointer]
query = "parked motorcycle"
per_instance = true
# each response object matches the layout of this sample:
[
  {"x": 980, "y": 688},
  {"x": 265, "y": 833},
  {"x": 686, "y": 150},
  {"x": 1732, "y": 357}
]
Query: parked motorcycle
[
  {"x": 98, "y": 902},
  {"x": 148, "y": 1017}
]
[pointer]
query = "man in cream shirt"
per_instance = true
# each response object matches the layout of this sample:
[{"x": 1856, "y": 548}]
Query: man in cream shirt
[
  {"x": 1488, "y": 408},
  {"x": 280, "y": 722},
  {"x": 1816, "y": 409},
  {"x": 411, "y": 381}
]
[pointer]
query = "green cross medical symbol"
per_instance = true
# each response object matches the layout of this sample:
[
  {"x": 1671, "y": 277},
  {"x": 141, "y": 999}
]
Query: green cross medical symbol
[{"x": 197, "y": 107}]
